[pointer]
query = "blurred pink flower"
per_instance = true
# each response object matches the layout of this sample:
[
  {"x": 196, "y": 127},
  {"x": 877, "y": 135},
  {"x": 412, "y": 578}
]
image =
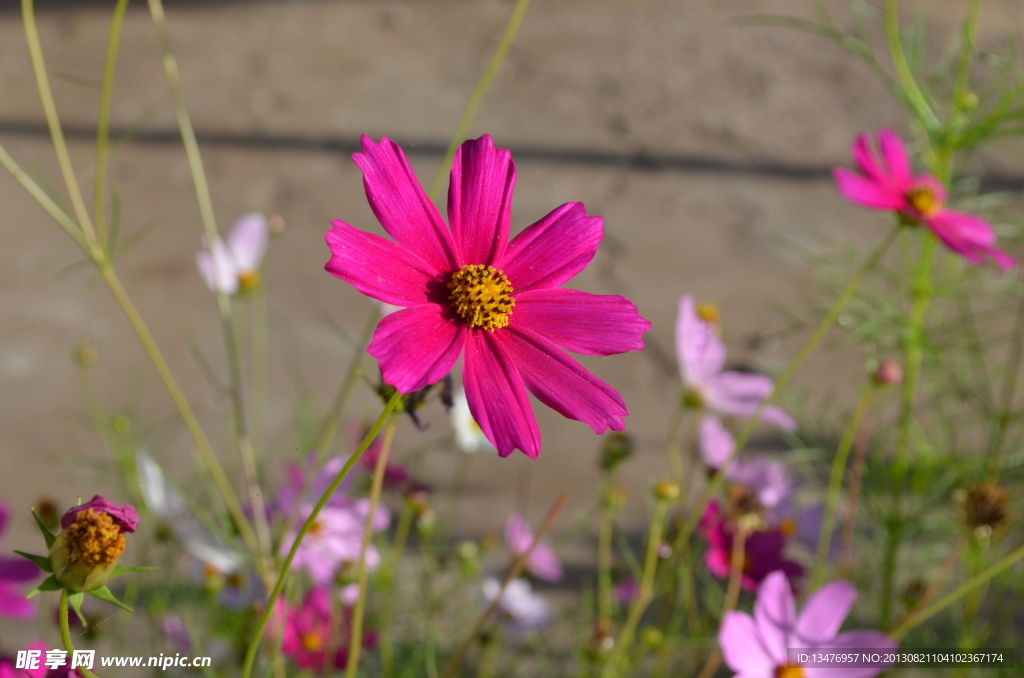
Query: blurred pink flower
[
  {"x": 889, "y": 184},
  {"x": 542, "y": 563},
  {"x": 701, "y": 360},
  {"x": 626, "y": 590},
  {"x": 762, "y": 550},
  {"x": 15, "y": 571},
  {"x": 470, "y": 291},
  {"x": 307, "y": 633},
  {"x": 335, "y": 539},
  {"x": 235, "y": 266},
  {"x": 757, "y": 647},
  {"x": 521, "y": 608}
]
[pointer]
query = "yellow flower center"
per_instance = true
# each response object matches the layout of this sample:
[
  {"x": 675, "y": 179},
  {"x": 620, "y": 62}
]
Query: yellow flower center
[
  {"x": 708, "y": 313},
  {"x": 789, "y": 672},
  {"x": 481, "y": 295},
  {"x": 94, "y": 538},
  {"x": 788, "y": 527},
  {"x": 312, "y": 642},
  {"x": 248, "y": 280},
  {"x": 923, "y": 200}
]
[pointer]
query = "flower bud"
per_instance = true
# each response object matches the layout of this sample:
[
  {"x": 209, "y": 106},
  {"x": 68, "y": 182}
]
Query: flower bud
[
  {"x": 888, "y": 373},
  {"x": 666, "y": 490},
  {"x": 617, "y": 448},
  {"x": 615, "y": 497},
  {"x": 86, "y": 551},
  {"x": 986, "y": 508},
  {"x": 86, "y": 355}
]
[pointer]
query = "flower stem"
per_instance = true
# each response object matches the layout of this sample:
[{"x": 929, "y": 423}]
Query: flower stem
[
  {"x": 356, "y": 639},
  {"x": 787, "y": 374},
  {"x": 477, "y": 97},
  {"x": 1009, "y": 390},
  {"x": 835, "y": 485},
  {"x": 254, "y": 642},
  {"x": 517, "y": 566},
  {"x": 644, "y": 596},
  {"x": 915, "y": 98},
  {"x": 103, "y": 126},
  {"x": 970, "y": 585},
  {"x": 604, "y": 557},
  {"x": 65, "y": 633},
  {"x": 853, "y": 494},
  {"x": 944, "y": 572},
  {"x": 387, "y": 577},
  {"x": 732, "y": 595}
]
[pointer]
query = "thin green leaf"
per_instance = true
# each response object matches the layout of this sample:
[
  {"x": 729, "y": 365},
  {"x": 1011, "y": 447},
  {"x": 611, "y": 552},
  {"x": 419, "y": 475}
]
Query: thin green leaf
[
  {"x": 75, "y": 600},
  {"x": 48, "y": 584},
  {"x": 47, "y": 535},
  {"x": 104, "y": 593},
  {"x": 41, "y": 561}
]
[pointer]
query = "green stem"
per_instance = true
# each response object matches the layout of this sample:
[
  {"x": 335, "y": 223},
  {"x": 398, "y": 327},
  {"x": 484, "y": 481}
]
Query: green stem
[
  {"x": 356, "y": 639},
  {"x": 835, "y": 485},
  {"x": 604, "y": 558},
  {"x": 915, "y": 97},
  {"x": 644, "y": 596},
  {"x": 674, "y": 445},
  {"x": 787, "y": 374},
  {"x": 732, "y": 595},
  {"x": 254, "y": 642},
  {"x": 971, "y": 584},
  {"x": 65, "y": 633},
  {"x": 477, "y": 97},
  {"x": 1009, "y": 390},
  {"x": 387, "y": 578},
  {"x": 963, "y": 70},
  {"x": 103, "y": 126}
]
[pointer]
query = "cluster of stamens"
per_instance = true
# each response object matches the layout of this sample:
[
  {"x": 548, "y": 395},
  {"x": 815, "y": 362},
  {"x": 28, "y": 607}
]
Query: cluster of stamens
[
  {"x": 95, "y": 538},
  {"x": 789, "y": 671},
  {"x": 482, "y": 296},
  {"x": 923, "y": 200}
]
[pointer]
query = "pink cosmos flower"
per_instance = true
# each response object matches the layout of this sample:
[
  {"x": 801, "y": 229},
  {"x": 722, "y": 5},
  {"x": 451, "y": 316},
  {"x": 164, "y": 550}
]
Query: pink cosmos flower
[
  {"x": 307, "y": 633},
  {"x": 235, "y": 266},
  {"x": 15, "y": 571},
  {"x": 890, "y": 184},
  {"x": 467, "y": 290},
  {"x": 335, "y": 539},
  {"x": 701, "y": 360},
  {"x": 756, "y": 647},
  {"x": 542, "y": 563},
  {"x": 125, "y": 517},
  {"x": 763, "y": 550}
]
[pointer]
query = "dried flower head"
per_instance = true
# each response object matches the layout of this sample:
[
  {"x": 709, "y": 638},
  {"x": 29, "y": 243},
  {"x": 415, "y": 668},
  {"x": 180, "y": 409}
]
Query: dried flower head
[{"x": 986, "y": 508}]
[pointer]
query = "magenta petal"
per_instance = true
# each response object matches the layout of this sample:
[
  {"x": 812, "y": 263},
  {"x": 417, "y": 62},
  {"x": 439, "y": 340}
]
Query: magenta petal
[
  {"x": 496, "y": 395},
  {"x": 17, "y": 569},
  {"x": 125, "y": 517},
  {"x": 580, "y": 322},
  {"x": 377, "y": 266},
  {"x": 480, "y": 200},
  {"x": 742, "y": 648},
  {"x": 864, "y": 157},
  {"x": 894, "y": 153},
  {"x": 563, "y": 384},
  {"x": 416, "y": 346},
  {"x": 553, "y": 250},
  {"x": 866, "y": 192},
  {"x": 854, "y": 640},
  {"x": 824, "y": 612},
  {"x": 700, "y": 352},
  {"x": 968, "y": 236},
  {"x": 15, "y": 605},
  {"x": 775, "y": 614},
  {"x": 401, "y": 206}
]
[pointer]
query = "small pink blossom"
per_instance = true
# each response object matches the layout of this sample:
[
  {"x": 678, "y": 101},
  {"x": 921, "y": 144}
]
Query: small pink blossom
[
  {"x": 467, "y": 290},
  {"x": 763, "y": 550},
  {"x": 701, "y": 361},
  {"x": 889, "y": 184},
  {"x": 760, "y": 646},
  {"x": 234, "y": 266},
  {"x": 308, "y": 633},
  {"x": 542, "y": 563}
]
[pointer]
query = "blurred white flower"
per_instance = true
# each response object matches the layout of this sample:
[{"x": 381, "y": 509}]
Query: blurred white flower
[
  {"x": 235, "y": 266},
  {"x": 520, "y": 607},
  {"x": 468, "y": 435}
]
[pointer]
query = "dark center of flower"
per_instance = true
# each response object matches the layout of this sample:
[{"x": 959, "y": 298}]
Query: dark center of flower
[
  {"x": 248, "y": 280},
  {"x": 94, "y": 538},
  {"x": 312, "y": 642},
  {"x": 481, "y": 295},
  {"x": 923, "y": 200},
  {"x": 789, "y": 671},
  {"x": 315, "y": 529},
  {"x": 708, "y": 313},
  {"x": 743, "y": 501}
]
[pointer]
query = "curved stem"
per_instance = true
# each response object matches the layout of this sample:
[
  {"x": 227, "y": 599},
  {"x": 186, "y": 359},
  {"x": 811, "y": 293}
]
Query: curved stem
[
  {"x": 853, "y": 494},
  {"x": 65, "y": 633},
  {"x": 356, "y": 638},
  {"x": 477, "y": 97},
  {"x": 254, "y": 642},
  {"x": 835, "y": 485},
  {"x": 915, "y": 97},
  {"x": 99, "y": 199}
]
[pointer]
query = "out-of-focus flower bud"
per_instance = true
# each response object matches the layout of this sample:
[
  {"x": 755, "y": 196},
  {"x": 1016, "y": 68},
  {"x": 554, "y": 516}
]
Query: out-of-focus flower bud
[
  {"x": 468, "y": 555},
  {"x": 888, "y": 373},
  {"x": 86, "y": 355},
  {"x": 665, "y": 490},
  {"x": 652, "y": 637},
  {"x": 84, "y": 554},
  {"x": 615, "y": 497},
  {"x": 986, "y": 509},
  {"x": 913, "y": 593},
  {"x": 617, "y": 448},
  {"x": 426, "y": 523},
  {"x": 46, "y": 509},
  {"x": 276, "y": 225}
]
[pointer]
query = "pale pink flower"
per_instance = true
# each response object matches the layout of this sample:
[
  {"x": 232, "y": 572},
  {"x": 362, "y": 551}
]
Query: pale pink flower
[
  {"x": 889, "y": 184},
  {"x": 234, "y": 266},
  {"x": 542, "y": 563},
  {"x": 334, "y": 541},
  {"x": 521, "y": 608},
  {"x": 469, "y": 291},
  {"x": 701, "y": 360},
  {"x": 763, "y": 646}
]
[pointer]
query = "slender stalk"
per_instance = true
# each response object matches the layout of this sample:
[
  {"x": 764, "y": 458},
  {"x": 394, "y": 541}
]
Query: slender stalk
[
  {"x": 67, "y": 170},
  {"x": 397, "y": 548},
  {"x": 99, "y": 199},
  {"x": 356, "y": 639},
  {"x": 477, "y": 97},
  {"x": 254, "y": 642},
  {"x": 787, "y": 374},
  {"x": 65, "y": 633},
  {"x": 732, "y": 595},
  {"x": 673, "y": 445},
  {"x": 517, "y": 566},
  {"x": 461, "y": 476},
  {"x": 944, "y": 572},
  {"x": 963, "y": 70},
  {"x": 644, "y": 596},
  {"x": 1009, "y": 390},
  {"x": 915, "y": 97},
  {"x": 835, "y": 485},
  {"x": 853, "y": 494},
  {"x": 971, "y": 584},
  {"x": 604, "y": 558}
]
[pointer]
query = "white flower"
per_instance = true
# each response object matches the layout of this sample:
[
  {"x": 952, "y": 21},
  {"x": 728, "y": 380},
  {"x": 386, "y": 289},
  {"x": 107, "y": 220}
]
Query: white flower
[
  {"x": 468, "y": 435},
  {"x": 228, "y": 268},
  {"x": 520, "y": 606}
]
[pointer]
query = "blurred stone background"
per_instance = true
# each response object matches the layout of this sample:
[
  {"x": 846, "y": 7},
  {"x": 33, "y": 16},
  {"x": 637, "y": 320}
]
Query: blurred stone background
[{"x": 706, "y": 146}]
